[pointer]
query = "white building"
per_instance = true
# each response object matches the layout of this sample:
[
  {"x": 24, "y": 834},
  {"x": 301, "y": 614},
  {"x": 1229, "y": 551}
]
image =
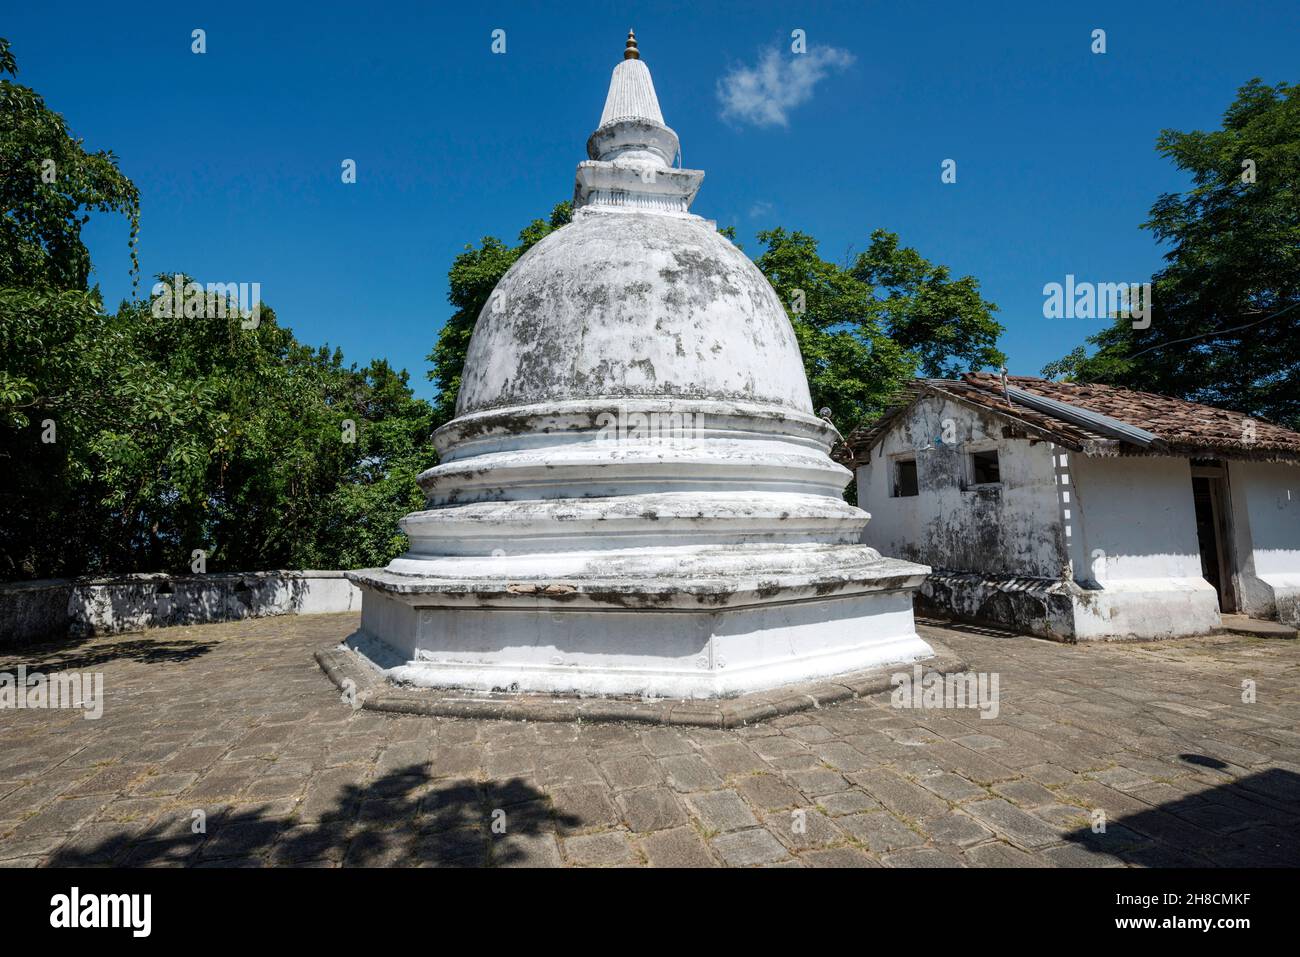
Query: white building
[
  {"x": 635, "y": 496},
  {"x": 1083, "y": 511}
]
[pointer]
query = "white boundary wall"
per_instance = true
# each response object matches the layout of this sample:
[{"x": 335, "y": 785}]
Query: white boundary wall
[{"x": 56, "y": 608}]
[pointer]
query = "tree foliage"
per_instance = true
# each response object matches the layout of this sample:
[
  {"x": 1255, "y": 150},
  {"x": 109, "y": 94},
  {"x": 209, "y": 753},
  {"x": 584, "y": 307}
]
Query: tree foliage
[
  {"x": 852, "y": 364},
  {"x": 130, "y": 439},
  {"x": 1225, "y": 320},
  {"x": 49, "y": 187},
  {"x": 944, "y": 322},
  {"x": 176, "y": 434},
  {"x": 867, "y": 329}
]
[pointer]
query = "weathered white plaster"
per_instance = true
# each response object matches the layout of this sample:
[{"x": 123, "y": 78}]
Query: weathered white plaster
[
  {"x": 1065, "y": 545},
  {"x": 692, "y": 652},
  {"x": 635, "y": 496},
  {"x": 1139, "y": 521},
  {"x": 1138, "y": 526},
  {"x": 55, "y": 608},
  {"x": 1010, "y": 530}
]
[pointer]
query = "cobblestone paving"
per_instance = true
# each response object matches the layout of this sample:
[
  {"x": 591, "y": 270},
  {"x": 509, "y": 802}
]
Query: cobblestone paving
[{"x": 237, "y": 722}]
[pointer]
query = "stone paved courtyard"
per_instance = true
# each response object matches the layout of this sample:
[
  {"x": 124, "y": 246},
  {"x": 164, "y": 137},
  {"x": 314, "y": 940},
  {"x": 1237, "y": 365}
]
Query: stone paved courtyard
[{"x": 238, "y": 722}]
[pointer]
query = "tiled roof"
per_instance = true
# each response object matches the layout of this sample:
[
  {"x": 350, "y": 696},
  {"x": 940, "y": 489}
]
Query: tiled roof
[{"x": 1181, "y": 428}]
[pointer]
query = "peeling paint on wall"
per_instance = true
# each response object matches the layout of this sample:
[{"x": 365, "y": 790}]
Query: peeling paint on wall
[{"x": 1010, "y": 529}]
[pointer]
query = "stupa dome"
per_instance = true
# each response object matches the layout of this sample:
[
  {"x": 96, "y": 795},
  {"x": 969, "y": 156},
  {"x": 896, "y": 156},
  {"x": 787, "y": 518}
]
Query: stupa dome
[{"x": 620, "y": 304}]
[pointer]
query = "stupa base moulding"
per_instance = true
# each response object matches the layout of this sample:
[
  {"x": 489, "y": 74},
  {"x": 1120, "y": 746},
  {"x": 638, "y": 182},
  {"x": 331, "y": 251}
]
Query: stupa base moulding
[
  {"x": 708, "y": 638},
  {"x": 370, "y": 688}
]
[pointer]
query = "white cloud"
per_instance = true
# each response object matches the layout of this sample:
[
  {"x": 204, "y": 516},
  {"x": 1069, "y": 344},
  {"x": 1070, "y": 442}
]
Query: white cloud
[
  {"x": 765, "y": 94},
  {"x": 760, "y": 209}
]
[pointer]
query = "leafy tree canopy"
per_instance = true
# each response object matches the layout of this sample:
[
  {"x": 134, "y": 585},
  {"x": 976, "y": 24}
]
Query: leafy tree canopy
[
  {"x": 130, "y": 439},
  {"x": 852, "y": 364},
  {"x": 1225, "y": 320},
  {"x": 50, "y": 184},
  {"x": 865, "y": 330},
  {"x": 943, "y": 321}
]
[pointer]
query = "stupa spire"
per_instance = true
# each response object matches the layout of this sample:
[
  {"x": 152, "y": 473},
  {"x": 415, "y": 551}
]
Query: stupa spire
[
  {"x": 631, "y": 91},
  {"x": 632, "y": 150}
]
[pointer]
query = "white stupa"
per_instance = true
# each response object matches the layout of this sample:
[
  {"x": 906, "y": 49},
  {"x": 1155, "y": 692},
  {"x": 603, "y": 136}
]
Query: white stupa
[{"x": 635, "y": 496}]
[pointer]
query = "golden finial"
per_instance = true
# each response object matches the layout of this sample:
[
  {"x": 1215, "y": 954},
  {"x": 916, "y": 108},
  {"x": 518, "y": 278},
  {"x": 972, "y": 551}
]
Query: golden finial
[{"x": 631, "y": 53}]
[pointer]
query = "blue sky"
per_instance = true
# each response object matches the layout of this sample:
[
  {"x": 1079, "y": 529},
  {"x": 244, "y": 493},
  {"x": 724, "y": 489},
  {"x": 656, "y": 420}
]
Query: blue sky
[{"x": 237, "y": 152}]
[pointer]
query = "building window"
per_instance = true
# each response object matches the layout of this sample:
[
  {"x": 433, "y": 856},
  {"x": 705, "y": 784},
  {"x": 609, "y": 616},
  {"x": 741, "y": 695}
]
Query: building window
[
  {"x": 984, "y": 468},
  {"x": 904, "y": 478}
]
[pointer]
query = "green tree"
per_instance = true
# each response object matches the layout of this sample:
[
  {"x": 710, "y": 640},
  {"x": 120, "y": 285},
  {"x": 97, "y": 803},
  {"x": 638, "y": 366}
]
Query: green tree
[
  {"x": 377, "y": 485},
  {"x": 853, "y": 366},
  {"x": 50, "y": 183},
  {"x": 1225, "y": 319},
  {"x": 945, "y": 322},
  {"x": 174, "y": 433},
  {"x": 56, "y": 355},
  {"x": 288, "y": 445},
  {"x": 867, "y": 329},
  {"x": 129, "y": 439}
]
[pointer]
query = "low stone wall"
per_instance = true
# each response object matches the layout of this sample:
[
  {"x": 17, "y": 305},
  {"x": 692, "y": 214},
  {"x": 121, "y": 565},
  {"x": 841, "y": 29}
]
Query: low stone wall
[
  {"x": 1288, "y": 607},
  {"x": 1070, "y": 612},
  {"x": 1281, "y": 599},
  {"x": 1039, "y": 606},
  {"x": 57, "y": 608}
]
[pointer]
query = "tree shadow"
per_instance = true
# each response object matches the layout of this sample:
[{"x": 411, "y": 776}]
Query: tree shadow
[
  {"x": 1253, "y": 821},
  {"x": 147, "y": 601},
  {"x": 403, "y": 819},
  {"x": 87, "y": 653}
]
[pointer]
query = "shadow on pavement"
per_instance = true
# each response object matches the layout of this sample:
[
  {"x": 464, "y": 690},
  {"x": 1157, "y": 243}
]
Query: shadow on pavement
[
  {"x": 403, "y": 819},
  {"x": 1253, "y": 821},
  {"x": 89, "y": 653}
]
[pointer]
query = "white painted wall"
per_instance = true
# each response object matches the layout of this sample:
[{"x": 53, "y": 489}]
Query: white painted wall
[
  {"x": 55, "y": 608},
  {"x": 1136, "y": 520},
  {"x": 1266, "y": 534},
  {"x": 1014, "y": 529},
  {"x": 1124, "y": 527}
]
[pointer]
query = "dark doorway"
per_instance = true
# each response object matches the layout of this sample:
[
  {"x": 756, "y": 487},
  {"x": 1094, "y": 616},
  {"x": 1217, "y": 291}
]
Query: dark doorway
[{"x": 1210, "y": 493}]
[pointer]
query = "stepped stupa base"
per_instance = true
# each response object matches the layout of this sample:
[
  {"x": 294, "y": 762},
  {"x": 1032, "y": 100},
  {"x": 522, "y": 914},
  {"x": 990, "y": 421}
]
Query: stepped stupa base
[{"x": 662, "y": 636}]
